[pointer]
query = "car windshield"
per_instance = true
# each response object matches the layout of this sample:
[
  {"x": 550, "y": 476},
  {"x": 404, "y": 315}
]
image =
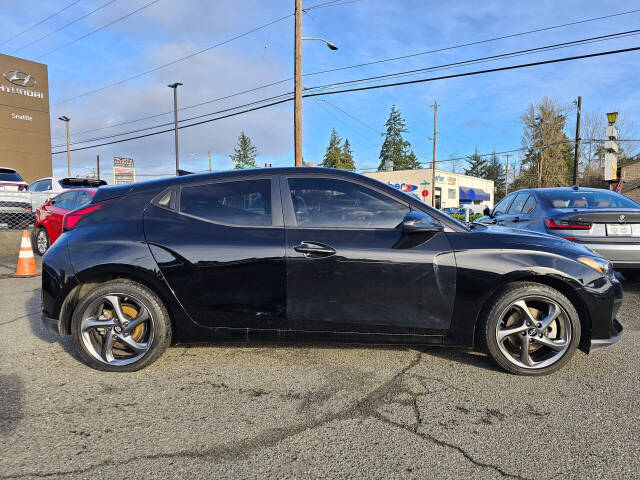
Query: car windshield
[
  {"x": 588, "y": 199},
  {"x": 9, "y": 176}
]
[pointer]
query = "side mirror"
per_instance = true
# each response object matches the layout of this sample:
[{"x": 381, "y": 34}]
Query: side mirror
[
  {"x": 53, "y": 201},
  {"x": 420, "y": 222},
  {"x": 486, "y": 212}
]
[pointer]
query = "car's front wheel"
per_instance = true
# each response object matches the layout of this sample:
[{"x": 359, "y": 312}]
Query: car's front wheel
[
  {"x": 530, "y": 329},
  {"x": 120, "y": 325}
]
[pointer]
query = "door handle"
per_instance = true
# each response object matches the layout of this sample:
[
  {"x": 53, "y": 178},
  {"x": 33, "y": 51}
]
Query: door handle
[
  {"x": 314, "y": 249},
  {"x": 516, "y": 219}
]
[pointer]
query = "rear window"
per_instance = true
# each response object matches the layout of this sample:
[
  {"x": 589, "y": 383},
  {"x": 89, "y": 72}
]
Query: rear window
[
  {"x": 588, "y": 199},
  {"x": 246, "y": 202},
  {"x": 9, "y": 176}
]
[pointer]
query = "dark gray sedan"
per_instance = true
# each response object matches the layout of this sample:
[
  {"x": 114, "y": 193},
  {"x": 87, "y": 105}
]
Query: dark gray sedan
[{"x": 605, "y": 221}]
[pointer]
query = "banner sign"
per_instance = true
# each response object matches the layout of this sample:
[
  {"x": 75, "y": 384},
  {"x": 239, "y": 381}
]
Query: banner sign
[{"x": 123, "y": 171}]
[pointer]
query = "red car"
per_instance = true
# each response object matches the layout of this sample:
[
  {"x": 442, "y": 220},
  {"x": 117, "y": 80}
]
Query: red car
[{"x": 50, "y": 216}]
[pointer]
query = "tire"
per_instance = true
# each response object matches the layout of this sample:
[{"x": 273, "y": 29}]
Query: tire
[
  {"x": 552, "y": 333},
  {"x": 134, "y": 339},
  {"x": 40, "y": 247}
]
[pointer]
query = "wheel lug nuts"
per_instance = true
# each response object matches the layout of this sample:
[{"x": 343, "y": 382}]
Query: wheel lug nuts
[
  {"x": 524, "y": 334},
  {"x": 539, "y": 325},
  {"x": 540, "y": 335},
  {"x": 528, "y": 324}
]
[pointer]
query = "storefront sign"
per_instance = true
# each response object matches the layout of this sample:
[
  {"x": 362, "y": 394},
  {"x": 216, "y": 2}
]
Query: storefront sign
[{"x": 123, "y": 171}]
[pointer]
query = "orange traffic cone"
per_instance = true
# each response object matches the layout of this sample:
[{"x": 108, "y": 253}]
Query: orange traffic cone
[{"x": 26, "y": 262}]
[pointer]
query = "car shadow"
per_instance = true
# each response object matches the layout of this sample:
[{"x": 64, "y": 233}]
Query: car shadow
[
  {"x": 468, "y": 357},
  {"x": 41, "y": 332}
]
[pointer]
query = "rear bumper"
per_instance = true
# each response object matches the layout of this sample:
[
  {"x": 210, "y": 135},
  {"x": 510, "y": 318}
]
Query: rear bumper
[{"x": 622, "y": 255}]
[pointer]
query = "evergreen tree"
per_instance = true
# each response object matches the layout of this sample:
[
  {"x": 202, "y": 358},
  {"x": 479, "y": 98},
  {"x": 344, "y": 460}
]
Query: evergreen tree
[
  {"x": 496, "y": 172},
  {"x": 333, "y": 153},
  {"x": 476, "y": 165},
  {"x": 347, "y": 156},
  {"x": 395, "y": 148},
  {"x": 245, "y": 153}
]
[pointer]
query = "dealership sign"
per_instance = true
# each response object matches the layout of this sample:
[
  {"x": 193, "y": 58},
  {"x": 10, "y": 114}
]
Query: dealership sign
[
  {"x": 23, "y": 83},
  {"x": 123, "y": 171}
]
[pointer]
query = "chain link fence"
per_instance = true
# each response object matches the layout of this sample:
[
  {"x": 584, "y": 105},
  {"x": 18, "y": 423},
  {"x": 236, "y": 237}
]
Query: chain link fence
[{"x": 18, "y": 209}]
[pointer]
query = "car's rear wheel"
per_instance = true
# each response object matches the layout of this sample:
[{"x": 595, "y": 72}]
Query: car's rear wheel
[
  {"x": 530, "y": 329},
  {"x": 42, "y": 242},
  {"x": 120, "y": 325}
]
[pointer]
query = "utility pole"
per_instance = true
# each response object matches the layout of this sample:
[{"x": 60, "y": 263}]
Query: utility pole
[
  {"x": 175, "y": 119},
  {"x": 209, "y": 160},
  {"x": 66, "y": 119},
  {"x": 433, "y": 165},
  {"x": 577, "y": 152},
  {"x": 297, "y": 73},
  {"x": 506, "y": 177},
  {"x": 98, "y": 165}
]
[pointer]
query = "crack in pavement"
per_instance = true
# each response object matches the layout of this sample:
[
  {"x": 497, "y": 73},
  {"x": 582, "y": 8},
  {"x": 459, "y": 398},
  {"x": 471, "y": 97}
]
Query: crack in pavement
[
  {"x": 20, "y": 317},
  {"x": 365, "y": 408}
]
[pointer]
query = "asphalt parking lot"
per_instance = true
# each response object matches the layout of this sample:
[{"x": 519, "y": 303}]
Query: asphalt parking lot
[{"x": 309, "y": 411}]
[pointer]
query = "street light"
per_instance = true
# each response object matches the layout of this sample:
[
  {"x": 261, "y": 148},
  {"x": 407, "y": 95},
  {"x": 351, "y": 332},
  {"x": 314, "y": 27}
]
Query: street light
[
  {"x": 297, "y": 74},
  {"x": 612, "y": 117},
  {"x": 66, "y": 119},
  {"x": 175, "y": 119}
]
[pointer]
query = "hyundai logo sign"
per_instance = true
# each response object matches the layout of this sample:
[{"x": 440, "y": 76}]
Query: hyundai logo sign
[{"x": 20, "y": 78}]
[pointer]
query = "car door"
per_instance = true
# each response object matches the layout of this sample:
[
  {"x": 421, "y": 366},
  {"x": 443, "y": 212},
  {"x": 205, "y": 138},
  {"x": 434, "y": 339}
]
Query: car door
[
  {"x": 500, "y": 210},
  {"x": 220, "y": 247},
  {"x": 513, "y": 215},
  {"x": 351, "y": 268},
  {"x": 59, "y": 207}
]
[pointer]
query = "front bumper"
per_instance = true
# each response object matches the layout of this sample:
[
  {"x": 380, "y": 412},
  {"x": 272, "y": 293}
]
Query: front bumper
[
  {"x": 51, "y": 323},
  {"x": 616, "y": 328}
]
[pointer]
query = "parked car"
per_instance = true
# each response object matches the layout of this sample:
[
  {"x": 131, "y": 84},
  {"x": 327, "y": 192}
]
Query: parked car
[
  {"x": 330, "y": 255},
  {"x": 15, "y": 204},
  {"x": 450, "y": 210},
  {"x": 49, "y": 218},
  {"x": 605, "y": 221},
  {"x": 44, "y": 189}
]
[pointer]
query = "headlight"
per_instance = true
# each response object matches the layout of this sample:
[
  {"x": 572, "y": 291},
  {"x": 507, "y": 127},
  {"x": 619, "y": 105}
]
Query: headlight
[{"x": 600, "y": 264}]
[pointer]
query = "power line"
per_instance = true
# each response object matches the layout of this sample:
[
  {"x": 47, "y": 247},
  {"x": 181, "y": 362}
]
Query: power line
[
  {"x": 397, "y": 74},
  {"x": 65, "y": 26},
  {"x": 186, "y": 57},
  {"x": 99, "y": 28},
  {"x": 350, "y": 116},
  {"x": 335, "y": 3},
  {"x": 517, "y": 53},
  {"x": 477, "y": 72},
  {"x": 477, "y": 42},
  {"x": 41, "y": 22},
  {"x": 407, "y": 82}
]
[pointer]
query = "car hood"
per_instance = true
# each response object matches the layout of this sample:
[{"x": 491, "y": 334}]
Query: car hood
[{"x": 516, "y": 238}]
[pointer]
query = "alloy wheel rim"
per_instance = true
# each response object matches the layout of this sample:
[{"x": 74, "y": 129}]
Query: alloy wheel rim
[
  {"x": 41, "y": 242},
  {"x": 117, "y": 329},
  {"x": 533, "y": 332}
]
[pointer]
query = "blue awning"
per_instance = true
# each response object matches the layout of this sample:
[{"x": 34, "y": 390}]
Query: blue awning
[{"x": 468, "y": 193}]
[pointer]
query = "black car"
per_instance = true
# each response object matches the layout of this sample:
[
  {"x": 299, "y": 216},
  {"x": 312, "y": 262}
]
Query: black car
[
  {"x": 604, "y": 221},
  {"x": 312, "y": 253}
]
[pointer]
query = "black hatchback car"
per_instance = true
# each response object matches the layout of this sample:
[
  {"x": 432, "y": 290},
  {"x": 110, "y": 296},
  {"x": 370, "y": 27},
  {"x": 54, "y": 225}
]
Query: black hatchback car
[{"x": 312, "y": 253}]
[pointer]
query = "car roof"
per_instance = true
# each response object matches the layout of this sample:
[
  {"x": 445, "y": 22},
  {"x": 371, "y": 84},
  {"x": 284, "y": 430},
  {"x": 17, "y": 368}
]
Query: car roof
[{"x": 7, "y": 170}]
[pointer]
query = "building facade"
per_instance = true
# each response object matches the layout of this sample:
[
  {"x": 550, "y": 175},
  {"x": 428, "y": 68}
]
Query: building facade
[
  {"x": 25, "y": 133},
  {"x": 451, "y": 189}
]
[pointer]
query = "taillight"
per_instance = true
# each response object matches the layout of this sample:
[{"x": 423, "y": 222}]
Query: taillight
[
  {"x": 72, "y": 218},
  {"x": 566, "y": 225}
]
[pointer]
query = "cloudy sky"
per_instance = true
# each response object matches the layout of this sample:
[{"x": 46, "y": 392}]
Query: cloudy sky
[{"x": 477, "y": 111}]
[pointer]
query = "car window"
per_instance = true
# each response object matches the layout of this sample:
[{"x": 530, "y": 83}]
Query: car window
[
  {"x": 82, "y": 198},
  {"x": 588, "y": 199},
  {"x": 65, "y": 200},
  {"x": 529, "y": 205},
  {"x": 502, "y": 205},
  {"x": 246, "y": 202},
  {"x": 44, "y": 185},
  {"x": 325, "y": 202},
  {"x": 34, "y": 186},
  {"x": 518, "y": 203}
]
